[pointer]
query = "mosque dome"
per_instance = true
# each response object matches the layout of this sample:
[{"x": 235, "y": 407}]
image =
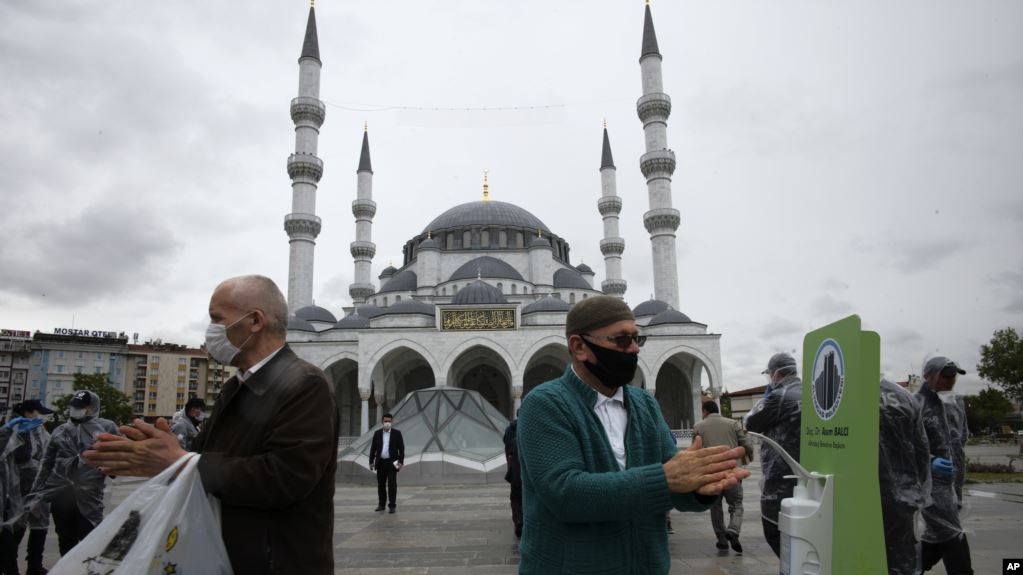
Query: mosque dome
[
  {"x": 315, "y": 313},
  {"x": 487, "y": 267},
  {"x": 570, "y": 279},
  {"x": 368, "y": 311},
  {"x": 669, "y": 316},
  {"x": 547, "y": 304},
  {"x": 353, "y": 321},
  {"x": 297, "y": 323},
  {"x": 539, "y": 242},
  {"x": 401, "y": 281},
  {"x": 409, "y": 307},
  {"x": 584, "y": 269},
  {"x": 429, "y": 244},
  {"x": 388, "y": 271},
  {"x": 479, "y": 292},
  {"x": 650, "y": 307},
  {"x": 486, "y": 213}
]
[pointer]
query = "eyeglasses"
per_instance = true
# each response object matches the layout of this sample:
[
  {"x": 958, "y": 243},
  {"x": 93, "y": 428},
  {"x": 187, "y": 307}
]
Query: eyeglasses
[{"x": 623, "y": 341}]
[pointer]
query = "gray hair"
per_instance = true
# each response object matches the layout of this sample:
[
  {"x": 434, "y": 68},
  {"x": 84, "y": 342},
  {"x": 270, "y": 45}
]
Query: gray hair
[{"x": 260, "y": 292}]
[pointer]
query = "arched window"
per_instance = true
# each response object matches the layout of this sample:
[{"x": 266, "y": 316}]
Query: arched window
[
  {"x": 571, "y": 297},
  {"x": 485, "y": 239},
  {"x": 397, "y": 298},
  {"x": 519, "y": 241},
  {"x": 515, "y": 288},
  {"x": 500, "y": 287},
  {"x": 385, "y": 301},
  {"x": 450, "y": 241},
  {"x": 502, "y": 239},
  {"x": 444, "y": 290},
  {"x": 466, "y": 239},
  {"x": 584, "y": 295}
]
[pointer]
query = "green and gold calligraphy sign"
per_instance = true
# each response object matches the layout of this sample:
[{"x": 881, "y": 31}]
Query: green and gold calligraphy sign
[{"x": 477, "y": 319}]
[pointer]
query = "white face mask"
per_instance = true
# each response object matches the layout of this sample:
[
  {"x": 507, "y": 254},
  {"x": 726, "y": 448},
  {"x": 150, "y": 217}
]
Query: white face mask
[
  {"x": 77, "y": 413},
  {"x": 387, "y": 426},
  {"x": 947, "y": 396},
  {"x": 218, "y": 344}
]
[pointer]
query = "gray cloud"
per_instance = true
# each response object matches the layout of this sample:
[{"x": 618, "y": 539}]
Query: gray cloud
[{"x": 778, "y": 327}]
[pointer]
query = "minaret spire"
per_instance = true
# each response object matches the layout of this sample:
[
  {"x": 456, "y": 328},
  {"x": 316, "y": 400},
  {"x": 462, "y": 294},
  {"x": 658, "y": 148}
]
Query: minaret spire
[
  {"x": 486, "y": 186},
  {"x": 658, "y": 165},
  {"x": 305, "y": 170},
  {"x": 610, "y": 205},
  {"x": 363, "y": 208}
]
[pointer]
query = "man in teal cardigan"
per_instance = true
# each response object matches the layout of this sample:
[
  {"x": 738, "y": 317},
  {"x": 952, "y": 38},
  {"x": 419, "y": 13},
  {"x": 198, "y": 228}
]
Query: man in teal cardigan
[{"x": 599, "y": 470}]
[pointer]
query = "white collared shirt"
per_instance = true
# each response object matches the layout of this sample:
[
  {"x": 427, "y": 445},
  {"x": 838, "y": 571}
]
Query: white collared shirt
[
  {"x": 385, "y": 451},
  {"x": 613, "y": 416},
  {"x": 245, "y": 375}
]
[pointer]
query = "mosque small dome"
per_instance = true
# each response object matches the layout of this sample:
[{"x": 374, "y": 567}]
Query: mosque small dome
[
  {"x": 299, "y": 324},
  {"x": 669, "y": 316},
  {"x": 584, "y": 269},
  {"x": 479, "y": 292},
  {"x": 353, "y": 320},
  {"x": 569, "y": 278},
  {"x": 315, "y": 313},
  {"x": 401, "y": 281},
  {"x": 650, "y": 307},
  {"x": 547, "y": 303}
]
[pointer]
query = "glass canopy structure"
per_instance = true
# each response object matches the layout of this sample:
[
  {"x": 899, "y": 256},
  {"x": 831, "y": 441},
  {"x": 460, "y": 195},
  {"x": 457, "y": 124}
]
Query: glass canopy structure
[{"x": 451, "y": 435}]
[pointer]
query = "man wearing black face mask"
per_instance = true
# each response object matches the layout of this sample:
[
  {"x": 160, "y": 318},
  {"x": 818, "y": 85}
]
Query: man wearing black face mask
[{"x": 598, "y": 467}]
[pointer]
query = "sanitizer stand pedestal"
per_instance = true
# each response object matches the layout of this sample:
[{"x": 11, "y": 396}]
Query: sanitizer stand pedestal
[{"x": 805, "y": 520}]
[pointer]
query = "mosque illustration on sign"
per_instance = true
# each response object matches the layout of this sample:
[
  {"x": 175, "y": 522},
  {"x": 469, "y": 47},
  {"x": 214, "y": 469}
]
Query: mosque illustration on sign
[{"x": 480, "y": 299}]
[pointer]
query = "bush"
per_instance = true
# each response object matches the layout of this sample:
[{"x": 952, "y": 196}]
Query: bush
[{"x": 981, "y": 467}]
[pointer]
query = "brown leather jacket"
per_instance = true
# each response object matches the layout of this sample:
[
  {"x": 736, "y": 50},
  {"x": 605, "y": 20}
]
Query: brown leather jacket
[{"x": 269, "y": 453}]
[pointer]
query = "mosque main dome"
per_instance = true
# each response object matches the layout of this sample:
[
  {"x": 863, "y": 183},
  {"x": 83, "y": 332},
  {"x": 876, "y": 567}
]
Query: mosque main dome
[{"x": 486, "y": 213}]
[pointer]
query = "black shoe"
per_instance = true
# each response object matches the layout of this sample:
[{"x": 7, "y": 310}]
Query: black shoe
[
  {"x": 670, "y": 530},
  {"x": 391, "y": 510},
  {"x": 379, "y": 508},
  {"x": 518, "y": 531},
  {"x": 733, "y": 538},
  {"x": 36, "y": 571},
  {"x": 722, "y": 544}
]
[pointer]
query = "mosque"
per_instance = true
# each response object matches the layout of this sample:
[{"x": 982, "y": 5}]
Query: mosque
[{"x": 480, "y": 299}]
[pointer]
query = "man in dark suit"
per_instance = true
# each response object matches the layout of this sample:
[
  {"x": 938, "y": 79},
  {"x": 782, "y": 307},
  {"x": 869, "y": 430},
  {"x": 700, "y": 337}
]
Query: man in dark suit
[
  {"x": 269, "y": 447},
  {"x": 387, "y": 456}
]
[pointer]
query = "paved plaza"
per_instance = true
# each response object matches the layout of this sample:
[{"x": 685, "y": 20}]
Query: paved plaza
[{"x": 453, "y": 529}]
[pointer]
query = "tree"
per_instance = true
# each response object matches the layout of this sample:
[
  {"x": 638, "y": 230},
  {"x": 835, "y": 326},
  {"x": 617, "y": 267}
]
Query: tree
[
  {"x": 987, "y": 409},
  {"x": 726, "y": 406},
  {"x": 1001, "y": 362},
  {"x": 114, "y": 405}
]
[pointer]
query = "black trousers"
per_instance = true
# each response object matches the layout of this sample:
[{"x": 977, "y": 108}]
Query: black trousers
[
  {"x": 955, "y": 553},
  {"x": 387, "y": 482},
  {"x": 516, "y": 505},
  {"x": 900, "y": 538},
  {"x": 68, "y": 521},
  {"x": 769, "y": 509}
]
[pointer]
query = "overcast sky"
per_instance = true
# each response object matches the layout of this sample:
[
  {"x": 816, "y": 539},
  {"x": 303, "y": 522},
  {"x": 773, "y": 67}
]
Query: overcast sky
[{"x": 833, "y": 157}]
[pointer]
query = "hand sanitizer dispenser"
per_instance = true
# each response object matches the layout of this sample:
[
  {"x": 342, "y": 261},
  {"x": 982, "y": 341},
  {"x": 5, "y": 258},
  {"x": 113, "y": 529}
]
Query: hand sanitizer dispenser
[{"x": 806, "y": 519}]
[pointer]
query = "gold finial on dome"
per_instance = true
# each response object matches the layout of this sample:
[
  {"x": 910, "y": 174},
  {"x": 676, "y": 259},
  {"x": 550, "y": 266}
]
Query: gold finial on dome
[
  {"x": 605, "y": 123},
  {"x": 312, "y": 3},
  {"x": 365, "y": 125},
  {"x": 486, "y": 186},
  {"x": 429, "y": 234},
  {"x": 538, "y": 234}
]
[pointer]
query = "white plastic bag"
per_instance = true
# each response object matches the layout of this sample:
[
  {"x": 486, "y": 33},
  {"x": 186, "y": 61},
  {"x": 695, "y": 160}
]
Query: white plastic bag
[{"x": 169, "y": 525}]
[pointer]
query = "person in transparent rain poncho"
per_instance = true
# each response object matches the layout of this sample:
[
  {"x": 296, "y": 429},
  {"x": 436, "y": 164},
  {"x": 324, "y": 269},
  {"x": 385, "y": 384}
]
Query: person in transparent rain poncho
[
  {"x": 777, "y": 416},
  {"x": 944, "y": 417},
  {"x": 23, "y": 441},
  {"x": 904, "y": 475},
  {"x": 73, "y": 488},
  {"x": 185, "y": 425}
]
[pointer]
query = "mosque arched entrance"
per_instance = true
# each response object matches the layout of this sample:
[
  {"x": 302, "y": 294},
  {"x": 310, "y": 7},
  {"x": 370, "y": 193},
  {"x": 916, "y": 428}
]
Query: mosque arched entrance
[
  {"x": 678, "y": 390},
  {"x": 399, "y": 371},
  {"x": 483, "y": 370},
  {"x": 549, "y": 362},
  {"x": 344, "y": 375}
]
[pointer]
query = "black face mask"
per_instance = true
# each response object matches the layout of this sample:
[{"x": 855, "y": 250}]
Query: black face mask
[{"x": 613, "y": 368}]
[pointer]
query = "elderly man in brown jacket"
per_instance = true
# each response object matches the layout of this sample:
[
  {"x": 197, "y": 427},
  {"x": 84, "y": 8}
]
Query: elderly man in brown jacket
[
  {"x": 268, "y": 449},
  {"x": 718, "y": 430}
]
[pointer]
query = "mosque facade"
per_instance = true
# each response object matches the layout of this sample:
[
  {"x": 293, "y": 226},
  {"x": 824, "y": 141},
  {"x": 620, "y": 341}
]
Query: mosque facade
[{"x": 480, "y": 299}]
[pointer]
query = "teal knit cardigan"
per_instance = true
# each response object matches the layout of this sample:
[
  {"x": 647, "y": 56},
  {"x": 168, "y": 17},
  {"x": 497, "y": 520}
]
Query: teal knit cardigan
[{"x": 582, "y": 513}]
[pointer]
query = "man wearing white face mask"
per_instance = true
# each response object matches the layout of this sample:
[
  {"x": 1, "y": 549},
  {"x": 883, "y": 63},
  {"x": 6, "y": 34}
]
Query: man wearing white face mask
[
  {"x": 386, "y": 456},
  {"x": 944, "y": 416},
  {"x": 269, "y": 446}
]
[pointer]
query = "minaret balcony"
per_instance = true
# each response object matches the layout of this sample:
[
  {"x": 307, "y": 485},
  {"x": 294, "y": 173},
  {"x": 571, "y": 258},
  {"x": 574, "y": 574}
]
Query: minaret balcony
[
  {"x": 305, "y": 166},
  {"x": 612, "y": 246},
  {"x": 364, "y": 209},
  {"x": 305, "y": 110},
  {"x": 657, "y": 163},
  {"x": 609, "y": 205},
  {"x": 302, "y": 224},
  {"x": 360, "y": 292},
  {"x": 654, "y": 107},
  {"x": 363, "y": 250},
  {"x": 615, "y": 287},
  {"x": 662, "y": 220}
]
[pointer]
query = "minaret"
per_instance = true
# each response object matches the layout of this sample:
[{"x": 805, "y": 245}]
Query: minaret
[
  {"x": 657, "y": 165},
  {"x": 610, "y": 205},
  {"x": 305, "y": 170},
  {"x": 364, "y": 208}
]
